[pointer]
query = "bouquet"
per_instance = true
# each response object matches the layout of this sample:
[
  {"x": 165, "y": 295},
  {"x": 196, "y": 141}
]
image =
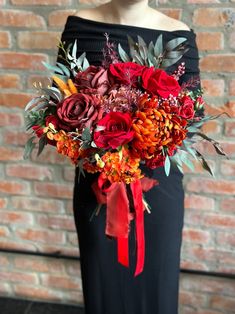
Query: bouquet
[{"x": 113, "y": 118}]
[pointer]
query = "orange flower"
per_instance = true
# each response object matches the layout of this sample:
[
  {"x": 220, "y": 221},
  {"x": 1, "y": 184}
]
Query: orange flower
[
  {"x": 156, "y": 128},
  {"x": 67, "y": 146},
  {"x": 121, "y": 166}
]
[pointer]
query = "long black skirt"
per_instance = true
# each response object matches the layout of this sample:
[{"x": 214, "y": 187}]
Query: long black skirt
[{"x": 109, "y": 287}]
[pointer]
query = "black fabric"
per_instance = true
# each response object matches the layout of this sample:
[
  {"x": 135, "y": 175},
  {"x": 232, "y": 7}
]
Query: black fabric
[{"x": 108, "y": 287}]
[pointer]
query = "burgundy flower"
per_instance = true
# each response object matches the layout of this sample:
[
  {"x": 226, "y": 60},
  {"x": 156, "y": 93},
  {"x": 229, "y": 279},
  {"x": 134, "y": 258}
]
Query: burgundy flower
[
  {"x": 93, "y": 79},
  {"x": 78, "y": 111},
  {"x": 158, "y": 82},
  {"x": 117, "y": 130}
]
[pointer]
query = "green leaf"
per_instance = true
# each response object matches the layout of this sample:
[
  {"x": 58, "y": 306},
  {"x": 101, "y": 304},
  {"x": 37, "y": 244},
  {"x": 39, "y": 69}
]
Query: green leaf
[
  {"x": 123, "y": 55},
  {"x": 167, "y": 165},
  {"x": 52, "y": 68},
  {"x": 174, "y": 43},
  {"x": 29, "y": 146},
  {"x": 64, "y": 69},
  {"x": 74, "y": 50},
  {"x": 41, "y": 144},
  {"x": 142, "y": 48},
  {"x": 86, "y": 135},
  {"x": 158, "y": 47},
  {"x": 204, "y": 163}
]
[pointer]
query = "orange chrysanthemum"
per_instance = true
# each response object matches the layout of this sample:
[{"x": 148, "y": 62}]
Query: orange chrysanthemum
[
  {"x": 121, "y": 166},
  {"x": 67, "y": 146},
  {"x": 156, "y": 128}
]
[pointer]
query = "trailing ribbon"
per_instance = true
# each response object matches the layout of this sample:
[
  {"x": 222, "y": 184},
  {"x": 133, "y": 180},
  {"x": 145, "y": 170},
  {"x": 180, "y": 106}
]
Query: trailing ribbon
[{"x": 118, "y": 216}]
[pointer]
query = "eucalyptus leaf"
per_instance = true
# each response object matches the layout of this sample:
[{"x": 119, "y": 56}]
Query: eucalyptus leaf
[
  {"x": 158, "y": 47},
  {"x": 169, "y": 62},
  {"x": 167, "y": 165},
  {"x": 29, "y": 146},
  {"x": 64, "y": 69},
  {"x": 204, "y": 163},
  {"x": 86, "y": 135},
  {"x": 174, "y": 43},
  {"x": 41, "y": 144},
  {"x": 52, "y": 68},
  {"x": 74, "y": 50},
  {"x": 142, "y": 48},
  {"x": 123, "y": 55},
  {"x": 85, "y": 64}
]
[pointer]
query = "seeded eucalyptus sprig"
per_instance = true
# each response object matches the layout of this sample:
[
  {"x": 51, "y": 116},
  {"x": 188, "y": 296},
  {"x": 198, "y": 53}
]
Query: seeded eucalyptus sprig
[{"x": 157, "y": 55}]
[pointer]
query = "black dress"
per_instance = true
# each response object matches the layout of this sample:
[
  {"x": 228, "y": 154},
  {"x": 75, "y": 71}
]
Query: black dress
[{"x": 108, "y": 287}]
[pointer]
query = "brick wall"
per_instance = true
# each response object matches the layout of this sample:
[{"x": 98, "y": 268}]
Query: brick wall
[{"x": 35, "y": 196}]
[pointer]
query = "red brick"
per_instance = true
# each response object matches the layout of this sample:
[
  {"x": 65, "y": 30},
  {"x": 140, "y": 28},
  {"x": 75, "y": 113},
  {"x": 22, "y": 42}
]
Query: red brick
[
  {"x": 15, "y": 137},
  {"x": 38, "y": 293},
  {"x": 4, "y": 261},
  {"x": 232, "y": 88},
  {"x": 225, "y": 239},
  {"x": 41, "y": 2},
  {"x": 53, "y": 190},
  {"x": 14, "y": 99},
  {"x": 37, "y": 204},
  {"x": 12, "y": 187},
  {"x": 21, "y": 18},
  {"x": 228, "y": 205},
  {"x": 173, "y": 13},
  {"x": 208, "y": 149},
  {"x": 58, "y": 18},
  {"x": 14, "y": 245},
  {"x": 189, "y": 264},
  {"x": 30, "y": 172},
  {"x": 210, "y": 17},
  {"x": 69, "y": 173},
  {"x": 216, "y": 186},
  {"x": 210, "y": 40},
  {"x": 199, "y": 202},
  {"x": 5, "y": 39},
  {"x": 15, "y": 217},
  {"x": 227, "y": 167},
  {"x": 38, "y": 40},
  {"x": 232, "y": 40},
  {"x": 223, "y": 303},
  {"x": 37, "y": 264},
  {"x": 14, "y": 276},
  {"x": 4, "y": 231},
  {"x": 211, "y": 127},
  {"x": 11, "y": 119},
  {"x": 229, "y": 107},
  {"x": 49, "y": 156},
  {"x": 3, "y": 202},
  {"x": 41, "y": 236},
  {"x": 195, "y": 235},
  {"x": 10, "y": 81},
  {"x": 23, "y": 61},
  {"x": 56, "y": 222},
  {"x": 203, "y": 1},
  {"x": 73, "y": 238},
  {"x": 73, "y": 268},
  {"x": 189, "y": 298},
  {"x": 74, "y": 297},
  {"x": 213, "y": 87},
  {"x": 61, "y": 282},
  {"x": 229, "y": 128},
  {"x": 8, "y": 154},
  {"x": 219, "y": 221},
  {"x": 218, "y": 63}
]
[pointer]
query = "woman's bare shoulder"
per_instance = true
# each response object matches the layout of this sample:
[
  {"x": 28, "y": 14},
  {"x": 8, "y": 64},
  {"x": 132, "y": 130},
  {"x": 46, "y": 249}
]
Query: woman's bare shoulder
[
  {"x": 90, "y": 14},
  {"x": 165, "y": 22}
]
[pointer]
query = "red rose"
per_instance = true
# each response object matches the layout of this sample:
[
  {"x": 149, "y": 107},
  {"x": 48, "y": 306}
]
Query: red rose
[
  {"x": 186, "y": 110},
  {"x": 158, "y": 82},
  {"x": 126, "y": 73},
  {"x": 94, "y": 79},
  {"x": 53, "y": 120},
  {"x": 78, "y": 111},
  {"x": 156, "y": 162},
  {"x": 117, "y": 130}
]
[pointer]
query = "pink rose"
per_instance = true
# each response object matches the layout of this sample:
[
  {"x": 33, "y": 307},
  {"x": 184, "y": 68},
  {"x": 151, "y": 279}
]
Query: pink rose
[{"x": 94, "y": 80}]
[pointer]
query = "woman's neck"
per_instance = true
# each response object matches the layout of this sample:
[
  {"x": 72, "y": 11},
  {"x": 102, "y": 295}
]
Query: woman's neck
[{"x": 127, "y": 11}]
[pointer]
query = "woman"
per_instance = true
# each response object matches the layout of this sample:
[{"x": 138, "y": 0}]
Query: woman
[{"x": 108, "y": 287}]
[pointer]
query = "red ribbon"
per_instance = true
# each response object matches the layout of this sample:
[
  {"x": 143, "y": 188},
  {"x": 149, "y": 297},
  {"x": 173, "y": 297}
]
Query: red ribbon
[{"x": 118, "y": 215}]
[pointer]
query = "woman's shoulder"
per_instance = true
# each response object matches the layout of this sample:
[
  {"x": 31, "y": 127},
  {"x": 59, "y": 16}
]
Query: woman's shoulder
[{"x": 157, "y": 20}]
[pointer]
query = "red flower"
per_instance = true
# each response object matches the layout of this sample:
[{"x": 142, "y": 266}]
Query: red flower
[
  {"x": 38, "y": 130},
  {"x": 117, "y": 130},
  {"x": 78, "y": 111},
  {"x": 158, "y": 82},
  {"x": 186, "y": 110},
  {"x": 53, "y": 120},
  {"x": 93, "y": 79},
  {"x": 126, "y": 73},
  {"x": 156, "y": 162}
]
